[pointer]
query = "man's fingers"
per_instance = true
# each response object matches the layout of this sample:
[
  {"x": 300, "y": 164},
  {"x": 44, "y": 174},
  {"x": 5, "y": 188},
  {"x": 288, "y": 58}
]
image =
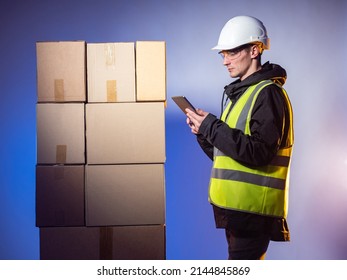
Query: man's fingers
[{"x": 191, "y": 115}]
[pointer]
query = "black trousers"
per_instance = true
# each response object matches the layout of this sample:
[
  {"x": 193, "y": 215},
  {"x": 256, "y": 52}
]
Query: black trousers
[{"x": 247, "y": 246}]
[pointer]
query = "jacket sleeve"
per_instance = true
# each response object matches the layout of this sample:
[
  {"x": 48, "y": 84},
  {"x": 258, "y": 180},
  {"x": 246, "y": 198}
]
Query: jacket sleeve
[
  {"x": 266, "y": 125},
  {"x": 205, "y": 146}
]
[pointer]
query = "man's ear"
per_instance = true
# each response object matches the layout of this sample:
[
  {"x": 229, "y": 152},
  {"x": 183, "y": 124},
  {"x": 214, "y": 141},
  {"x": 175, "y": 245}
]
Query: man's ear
[{"x": 255, "y": 51}]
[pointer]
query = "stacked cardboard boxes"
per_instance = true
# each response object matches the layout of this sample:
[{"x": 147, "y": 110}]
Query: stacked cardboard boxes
[{"x": 100, "y": 185}]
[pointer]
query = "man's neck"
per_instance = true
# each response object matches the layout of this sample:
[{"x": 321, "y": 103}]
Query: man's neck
[{"x": 252, "y": 69}]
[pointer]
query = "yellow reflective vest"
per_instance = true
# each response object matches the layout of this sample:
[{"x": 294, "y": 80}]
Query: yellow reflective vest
[{"x": 260, "y": 190}]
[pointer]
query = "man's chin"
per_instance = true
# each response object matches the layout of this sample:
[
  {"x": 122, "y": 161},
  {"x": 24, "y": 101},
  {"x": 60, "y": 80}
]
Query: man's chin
[{"x": 232, "y": 74}]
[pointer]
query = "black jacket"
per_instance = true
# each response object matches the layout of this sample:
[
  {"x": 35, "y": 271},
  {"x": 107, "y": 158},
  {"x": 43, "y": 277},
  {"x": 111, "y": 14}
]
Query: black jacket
[{"x": 269, "y": 127}]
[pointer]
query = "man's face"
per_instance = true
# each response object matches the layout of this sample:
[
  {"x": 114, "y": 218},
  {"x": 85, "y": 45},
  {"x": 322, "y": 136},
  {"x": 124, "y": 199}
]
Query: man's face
[{"x": 238, "y": 61}]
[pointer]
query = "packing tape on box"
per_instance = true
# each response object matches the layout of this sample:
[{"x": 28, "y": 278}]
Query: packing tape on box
[
  {"x": 110, "y": 55},
  {"x": 111, "y": 86},
  {"x": 106, "y": 243},
  {"x": 61, "y": 153},
  {"x": 59, "y": 90}
]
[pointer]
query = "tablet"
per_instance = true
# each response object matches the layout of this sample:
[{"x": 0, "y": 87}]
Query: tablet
[{"x": 183, "y": 103}]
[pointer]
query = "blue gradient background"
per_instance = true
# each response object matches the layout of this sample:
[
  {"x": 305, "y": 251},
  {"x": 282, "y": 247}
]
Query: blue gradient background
[{"x": 308, "y": 38}]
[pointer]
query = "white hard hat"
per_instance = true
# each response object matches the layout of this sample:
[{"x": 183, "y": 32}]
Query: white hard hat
[{"x": 242, "y": 30}]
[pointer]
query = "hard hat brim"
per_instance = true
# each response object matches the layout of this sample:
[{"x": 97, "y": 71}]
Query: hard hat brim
[{"x": 265, "y": 43}]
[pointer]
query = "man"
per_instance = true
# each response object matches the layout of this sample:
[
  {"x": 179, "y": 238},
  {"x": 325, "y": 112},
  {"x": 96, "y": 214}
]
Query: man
[{"x": 250, "y": 145}]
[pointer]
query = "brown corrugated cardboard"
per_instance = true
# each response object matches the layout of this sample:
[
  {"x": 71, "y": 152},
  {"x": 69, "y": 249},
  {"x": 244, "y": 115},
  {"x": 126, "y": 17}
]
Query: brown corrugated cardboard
[
  {"x": 139, "y": 243},
  {"x": 69, "y": 243},
  {"x": 111, "y": 72},
  {"x": 125, "y": 194},
  {"x": 150, "y": 71},
  {"x": 97, "y": 243},
  {"x": 60, "y": 133},
  {"x": 61, "y": 71},
  {"x": 121, "y": 133},
  {"x": 60, "y": 196}
]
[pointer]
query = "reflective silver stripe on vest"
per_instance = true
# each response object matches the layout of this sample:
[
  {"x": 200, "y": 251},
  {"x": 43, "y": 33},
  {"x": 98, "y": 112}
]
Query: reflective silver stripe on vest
[
  {"x": 276, "y": 161},
  {"x": 280, "y": 161},
  {"x": 241, "y": 122},
  {"x": 245, "y": 177}
]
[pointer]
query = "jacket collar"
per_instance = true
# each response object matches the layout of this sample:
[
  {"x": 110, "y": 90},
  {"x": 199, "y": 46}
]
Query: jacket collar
[{"x": 268, "y": 71}]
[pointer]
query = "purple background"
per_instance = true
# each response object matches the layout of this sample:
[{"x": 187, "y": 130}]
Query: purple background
[{"x": 308, "y": 38}]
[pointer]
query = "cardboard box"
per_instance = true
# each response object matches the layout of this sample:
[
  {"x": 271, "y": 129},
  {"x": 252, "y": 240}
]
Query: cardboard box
[
  {"x": 139, "y": 243},
  {"x": 102, "y": 243},
  {"x": 61, "y": 71},
  {"x": 111, "y": 72},
  {"x": 60, "y": 133},
  {"x": 120, "y": 133},
  {"x": 150, "y": 71},
  {"x": 125, "y": 195},
  {"x": 60, "y": 196},
  {"x": 69, "y": 243}
]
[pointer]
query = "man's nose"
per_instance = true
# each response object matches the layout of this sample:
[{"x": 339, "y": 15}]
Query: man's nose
[{"x": 226, "y": 61}]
